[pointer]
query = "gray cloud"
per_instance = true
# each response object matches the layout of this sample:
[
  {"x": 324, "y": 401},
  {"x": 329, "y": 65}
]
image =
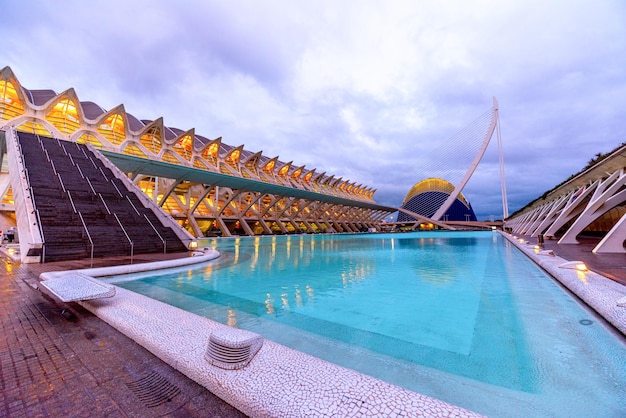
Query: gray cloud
[{"x": 359, "y": 89}]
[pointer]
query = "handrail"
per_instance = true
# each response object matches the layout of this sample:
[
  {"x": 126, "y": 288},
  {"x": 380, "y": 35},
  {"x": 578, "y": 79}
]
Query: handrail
[
  {"x": 88, "y": 234},
  {"x": 91, "y": 159},
  {"x": 41, "y": 144},
  {"x": 103, "y": 174},
  {"x": 80, "y": 172},
  {"x": 82, "y": 150},
  {"x": 32, "y": 198},
  {"x": 71, "y": 159},
  {"x": 71, "y": 201},
  {"x": 133, "y": 205},
  {"x": 118, "y": 190},
  {"x": 90, "y": 186},
  {"x": 31, "y": 230},
  {"x": 43, "y": 238},
  {"x": 61, "y": 181},
  {"x": 132, "y": 246},
  {"x": 62, "y": 147},
  {"x": 157, "y": 232},
  {"x": 104, "y": 203}
]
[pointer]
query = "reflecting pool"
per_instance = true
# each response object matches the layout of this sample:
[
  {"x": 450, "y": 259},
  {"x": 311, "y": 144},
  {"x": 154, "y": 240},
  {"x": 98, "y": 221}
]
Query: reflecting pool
[{"x": 460, "y": 316}]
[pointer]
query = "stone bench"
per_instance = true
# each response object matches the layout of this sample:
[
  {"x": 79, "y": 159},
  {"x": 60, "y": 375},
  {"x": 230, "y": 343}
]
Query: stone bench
[{"x": 75, "y": 286}]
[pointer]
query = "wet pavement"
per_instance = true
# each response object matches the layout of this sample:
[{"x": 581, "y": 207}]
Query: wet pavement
[
  {"x": 612, "y": 266},
  {"x": 59, "y": 360}
]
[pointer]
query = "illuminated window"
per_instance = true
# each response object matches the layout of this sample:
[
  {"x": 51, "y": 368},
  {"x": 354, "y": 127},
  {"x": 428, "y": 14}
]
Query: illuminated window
[
  {"x": 283, "y": 171},
  {"x": 171, "y": 205},
  {"x": 198, "y": 163},
  {"x": 297, "y": 173},
  {"x": 112, "y": 128},
  {"x": 183, "y": 147},
  {"x": 253, "y": 164},
  {"x": 10, "y": 104},
  {"x": 147, "y": 186},
  {"x": 168, "y": 157},
  {"x": 246, "y": 173},
  {"x": 225, "y": 169},
  {"x": 152, "y": 140},
  {"x": 35, "y": 128},
  {"x": 201, "y": 209},
  {"x": 8, "y": 198},
  {"x": 132, "y": 149},
  {"x": 233, "y": 158},
  {"x": 210, "y": 153},
  {"x": 87, "y": 138},
  {"x": 269, "y": 167},
  {"x": 64, "y": 116}
]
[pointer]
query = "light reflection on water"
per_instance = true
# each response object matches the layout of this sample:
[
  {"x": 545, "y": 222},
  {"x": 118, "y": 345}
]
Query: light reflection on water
[{"x": 465, "y": 304}]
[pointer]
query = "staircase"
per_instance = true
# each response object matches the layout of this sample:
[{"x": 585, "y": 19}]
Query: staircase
[{"x": 84, "y": 210}]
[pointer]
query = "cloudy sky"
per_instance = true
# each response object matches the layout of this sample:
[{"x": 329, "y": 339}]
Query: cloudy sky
[{"x": 365, "y": 90}]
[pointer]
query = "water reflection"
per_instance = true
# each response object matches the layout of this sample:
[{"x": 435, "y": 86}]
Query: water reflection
[{"x": 232, "y": 318}]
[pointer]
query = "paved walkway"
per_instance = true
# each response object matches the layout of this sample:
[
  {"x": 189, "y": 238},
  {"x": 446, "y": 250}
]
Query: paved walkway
[
  {"x": 58, "y": 360},
  {"x": 612, "y": 266}
]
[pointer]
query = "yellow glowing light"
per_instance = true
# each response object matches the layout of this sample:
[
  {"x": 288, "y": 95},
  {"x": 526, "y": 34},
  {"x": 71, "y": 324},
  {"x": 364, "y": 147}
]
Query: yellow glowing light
[
  {"x": 270, "y": 166},
  {"x": 10, "y": 104},
  {"x": 232, "y": 318},
  {"x": 193, "y": 245},
  {"x": 185, "y": 142},
  {"x": 283, "y": 170},
  {"x": 152, "y": 140},
  {"x": 269, "y": 304},
  {"x": 212, "y": 150},
  {"x": 575, "y": 265},
  {"x": 234, "y": 156}
]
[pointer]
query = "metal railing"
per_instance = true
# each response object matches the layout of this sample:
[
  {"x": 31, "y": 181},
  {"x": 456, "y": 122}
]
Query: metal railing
[
  {"x": 90, "y": 186},
  {"x": 132, "y": 245},
  {"x": 131, "y": 203},
  {"x": 157, "y": 232},
  {"x": 43, "y": 238},
  {"x": 72, "y": 160},
  {"x": 72, "y": 202},
  {"x": 88, "y": 234},
  {"x": 118, "y": 190},
  {"x": 61, "y": 181},
  {"x": 104, "y": 203}
]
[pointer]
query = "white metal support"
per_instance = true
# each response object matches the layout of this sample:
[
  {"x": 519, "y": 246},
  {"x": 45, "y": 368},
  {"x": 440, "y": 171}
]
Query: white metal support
[
  {"x": 575, "y": 205},
  {"x": 606, "y": 196},
  {"x": 459, "y": 187},
  {"x": 613, "y": 241}
]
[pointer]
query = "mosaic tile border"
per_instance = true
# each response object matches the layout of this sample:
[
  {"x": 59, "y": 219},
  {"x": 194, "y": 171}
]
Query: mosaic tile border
[{"x": 597, "y": 291}]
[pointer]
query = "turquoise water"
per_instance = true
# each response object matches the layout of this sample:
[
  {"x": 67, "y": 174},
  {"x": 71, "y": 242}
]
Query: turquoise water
[{"x": 461, "y": 316}]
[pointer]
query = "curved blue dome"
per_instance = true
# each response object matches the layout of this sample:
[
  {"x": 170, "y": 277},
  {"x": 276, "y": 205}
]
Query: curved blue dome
[{"x": 427, "y": 196}]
